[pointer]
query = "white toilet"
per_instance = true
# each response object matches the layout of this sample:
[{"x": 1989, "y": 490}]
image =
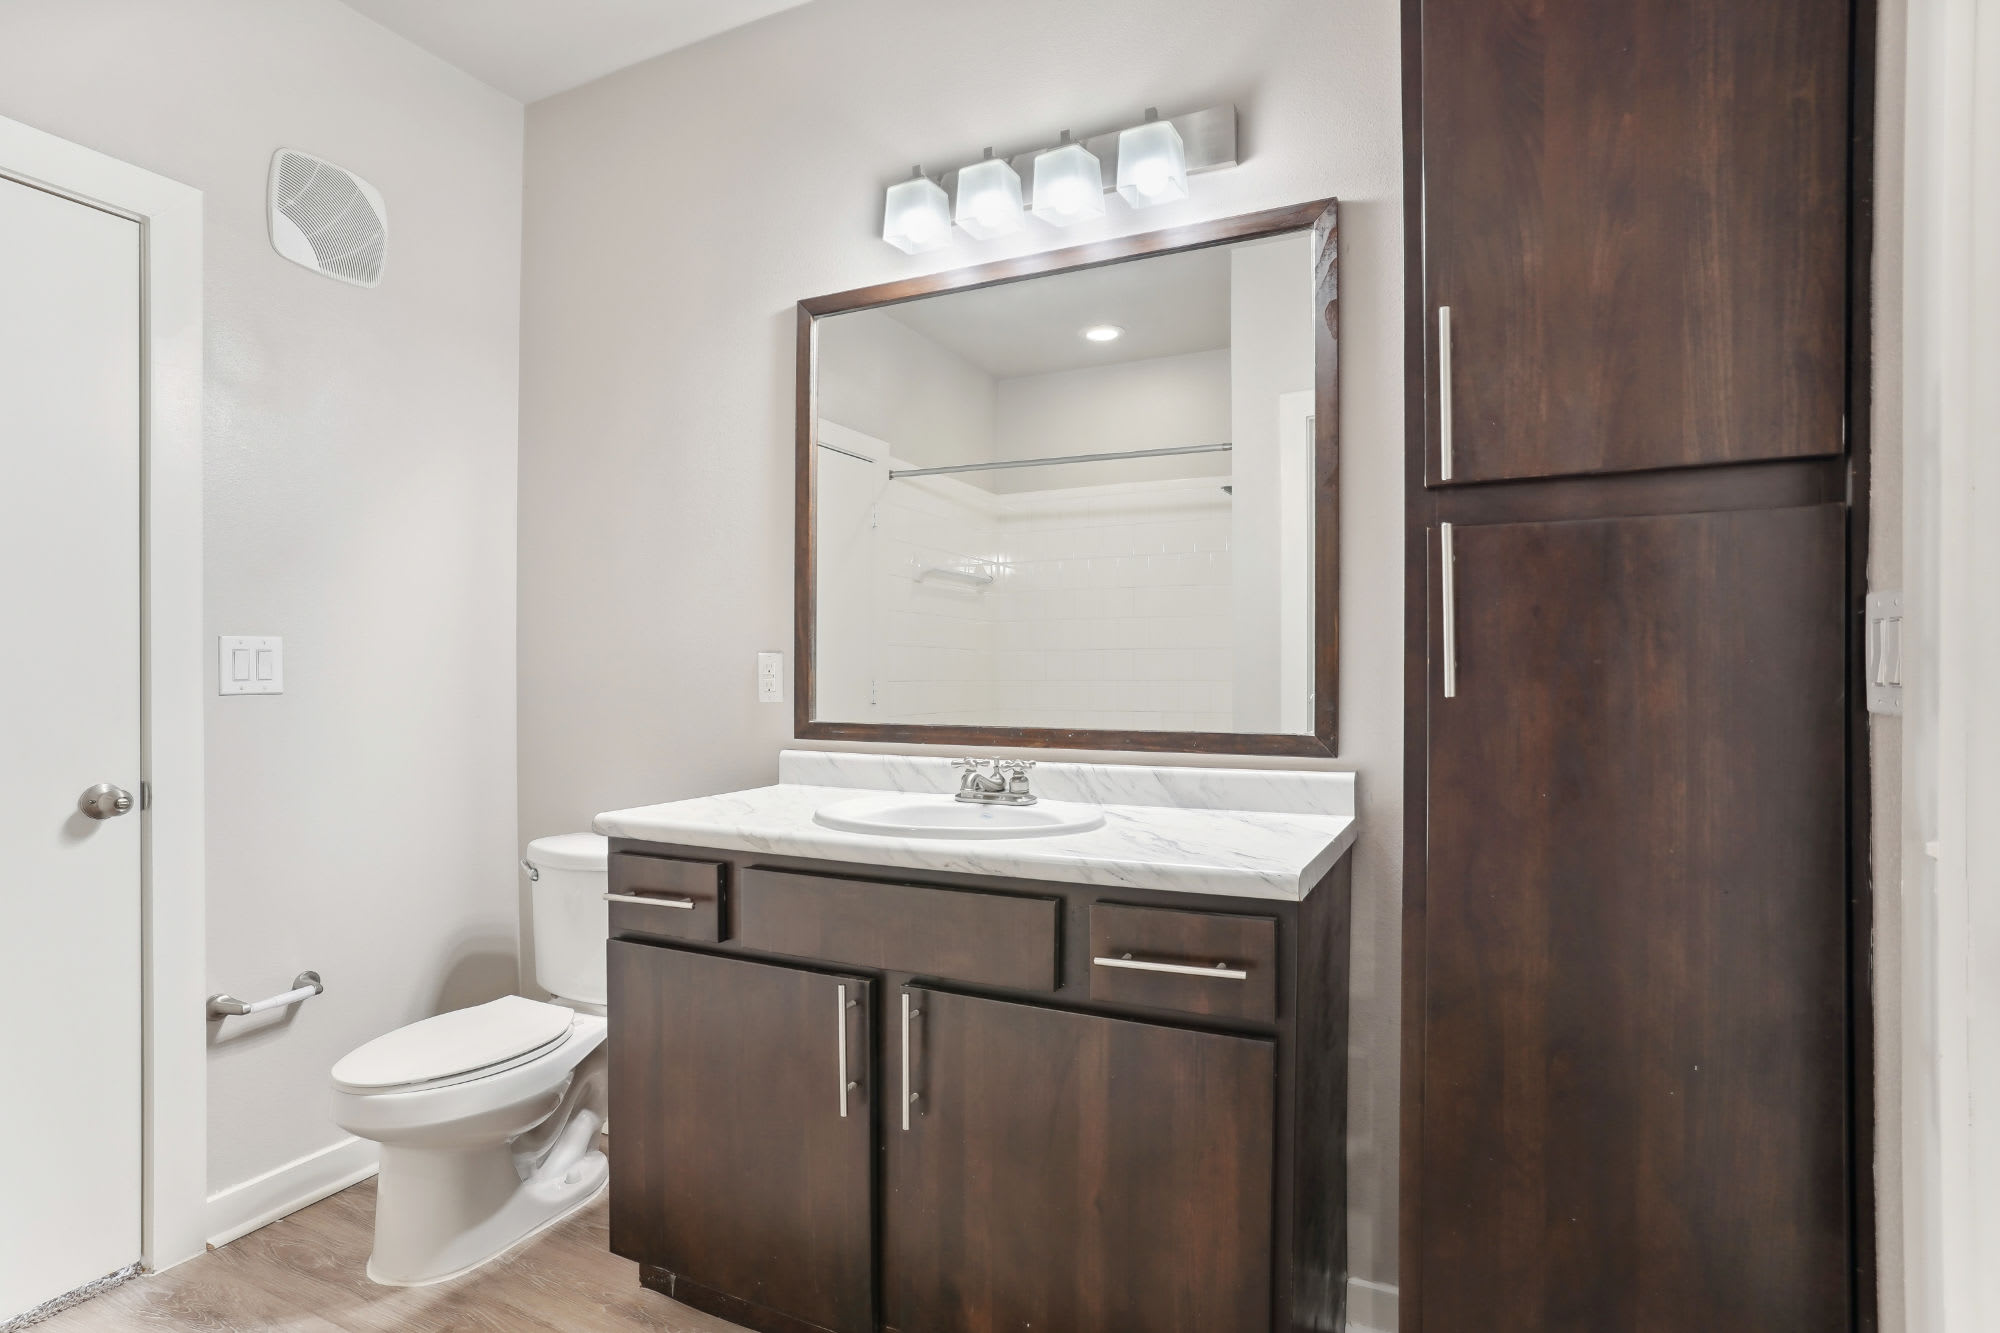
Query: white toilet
[{"x": 488, "y": 1117}]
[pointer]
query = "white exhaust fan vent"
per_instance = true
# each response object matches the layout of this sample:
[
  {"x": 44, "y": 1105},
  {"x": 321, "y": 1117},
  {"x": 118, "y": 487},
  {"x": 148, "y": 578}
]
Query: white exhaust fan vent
[{"x": 327, "y": 219}]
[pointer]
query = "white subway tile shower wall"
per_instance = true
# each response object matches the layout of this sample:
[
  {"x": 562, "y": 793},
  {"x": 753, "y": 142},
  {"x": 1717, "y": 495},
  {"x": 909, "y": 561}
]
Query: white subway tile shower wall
[
  {"x": 1109, "y": 606},
  {"x": 933, "y": 661},
  {"x": 1112, "y": 608}
]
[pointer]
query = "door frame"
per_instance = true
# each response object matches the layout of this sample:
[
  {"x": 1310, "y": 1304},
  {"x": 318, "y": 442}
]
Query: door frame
[
  {"x": 1946, "y": 1060},
  {"x": 174, "y": 1168}
]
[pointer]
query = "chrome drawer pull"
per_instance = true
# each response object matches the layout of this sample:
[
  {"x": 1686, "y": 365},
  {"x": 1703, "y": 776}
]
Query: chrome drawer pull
[
  {"x": 644, "y": 900},
  {"x": 1221, "y": 971}
]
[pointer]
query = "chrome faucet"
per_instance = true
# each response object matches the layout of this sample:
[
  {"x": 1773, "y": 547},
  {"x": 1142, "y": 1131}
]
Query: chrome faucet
[{"x": 994, "y": 781}]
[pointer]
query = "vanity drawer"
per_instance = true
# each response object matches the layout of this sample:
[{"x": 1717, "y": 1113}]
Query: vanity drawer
[
  {"x": 990, "y": 939},
  {"x": 666, "y": 895},
  {"x": 1169, "y": 960}
]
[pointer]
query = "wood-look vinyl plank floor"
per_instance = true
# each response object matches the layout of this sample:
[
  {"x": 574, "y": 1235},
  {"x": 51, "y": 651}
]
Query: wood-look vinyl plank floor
[{"x": 305, "y": 1274}]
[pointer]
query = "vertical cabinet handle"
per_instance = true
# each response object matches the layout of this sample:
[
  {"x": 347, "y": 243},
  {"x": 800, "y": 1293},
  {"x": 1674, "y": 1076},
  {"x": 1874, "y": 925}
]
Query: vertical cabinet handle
[
  {"x": 841, "y": 1047},
  {"x": 1448, "y": 597},
  {"x": 1444, "y": 393},
  {"x": 909, "y": 1096}
]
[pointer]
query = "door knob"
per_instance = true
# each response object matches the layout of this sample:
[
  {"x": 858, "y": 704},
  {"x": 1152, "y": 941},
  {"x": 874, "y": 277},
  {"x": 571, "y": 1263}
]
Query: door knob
[{"x": 105, "y": 801}]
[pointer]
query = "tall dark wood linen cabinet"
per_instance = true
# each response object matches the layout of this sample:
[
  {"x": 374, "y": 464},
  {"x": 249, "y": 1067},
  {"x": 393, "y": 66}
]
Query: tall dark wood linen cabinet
[{"x": 1636, "y": 1019}]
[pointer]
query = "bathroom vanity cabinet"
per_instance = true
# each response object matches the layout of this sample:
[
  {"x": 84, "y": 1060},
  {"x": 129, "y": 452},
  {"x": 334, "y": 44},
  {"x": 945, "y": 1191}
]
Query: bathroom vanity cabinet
[{"x": 849, "y": 1099}]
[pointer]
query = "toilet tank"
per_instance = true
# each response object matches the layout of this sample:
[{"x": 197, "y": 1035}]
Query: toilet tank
[{"x": 571, "y": 918}]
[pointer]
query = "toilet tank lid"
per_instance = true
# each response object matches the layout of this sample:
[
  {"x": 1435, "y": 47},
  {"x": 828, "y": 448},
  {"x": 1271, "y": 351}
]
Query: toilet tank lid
[{"x": 570, "y": 851}]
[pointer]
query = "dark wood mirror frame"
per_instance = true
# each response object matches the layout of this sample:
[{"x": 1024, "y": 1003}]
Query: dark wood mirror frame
[{"x": 1320, "y": 217}]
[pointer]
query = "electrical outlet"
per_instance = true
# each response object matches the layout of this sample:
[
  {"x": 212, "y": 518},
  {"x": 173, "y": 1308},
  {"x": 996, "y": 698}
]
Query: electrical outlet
[{"x": 770, "y": 678}]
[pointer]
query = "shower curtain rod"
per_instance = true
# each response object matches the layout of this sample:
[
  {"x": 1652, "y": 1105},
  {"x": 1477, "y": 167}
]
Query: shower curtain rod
[{"x": 894, "y": 473}]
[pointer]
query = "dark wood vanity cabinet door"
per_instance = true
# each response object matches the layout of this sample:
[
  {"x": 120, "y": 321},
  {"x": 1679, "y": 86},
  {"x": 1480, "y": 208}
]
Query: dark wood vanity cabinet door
[
  {"x": 1635, "y": 1031},
  {"x": 1637, "y": 213},
  {"x": 731, "y": 1164},
  {"x": 1078, "y": 1174}
]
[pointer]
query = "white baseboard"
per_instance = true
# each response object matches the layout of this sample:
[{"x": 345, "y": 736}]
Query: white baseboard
[
  {"x": 1371, "y": 1306},
  {"x": 241, "y": 1209}
]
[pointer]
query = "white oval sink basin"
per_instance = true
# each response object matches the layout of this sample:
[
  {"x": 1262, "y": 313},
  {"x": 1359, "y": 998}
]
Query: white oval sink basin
[{"x": 915, "y": 815}]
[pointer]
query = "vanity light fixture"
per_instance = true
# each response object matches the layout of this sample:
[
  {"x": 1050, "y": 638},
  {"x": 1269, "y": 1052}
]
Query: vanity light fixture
[
  {"x": 1104, "y": 333},
  {"x": 1069, "y": 184},
  {"x": 1152, "y": 163},
  {"x": 989, "y": 198},
  {"x": 917, "y": 215}
]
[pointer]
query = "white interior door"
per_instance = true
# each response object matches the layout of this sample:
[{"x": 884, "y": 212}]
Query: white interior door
[{"x": 69, "y": 719}]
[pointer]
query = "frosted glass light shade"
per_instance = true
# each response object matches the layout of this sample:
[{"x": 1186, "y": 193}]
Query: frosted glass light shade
[
  {"x": 1152, "y": 164},
  {"x": 917, "y": 216},
  {"x": 989, "y": 199},
  {"x": 1069, "y": 185}
]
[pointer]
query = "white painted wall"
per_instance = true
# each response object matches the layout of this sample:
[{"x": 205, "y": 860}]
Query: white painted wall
[
  {"x": 890, "y": 382},
  {"x": 661, "y": 273},
  {"x": 1162, "y": 402},
  {"x": 360, "y": 499}
]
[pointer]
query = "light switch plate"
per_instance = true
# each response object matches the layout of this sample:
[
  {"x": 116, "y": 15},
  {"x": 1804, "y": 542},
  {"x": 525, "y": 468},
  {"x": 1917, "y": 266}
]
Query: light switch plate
[
  {"x": 770, "y": 678},
  {"x": 1885, "y": 653},
  {"x": 250, "y": 664}
]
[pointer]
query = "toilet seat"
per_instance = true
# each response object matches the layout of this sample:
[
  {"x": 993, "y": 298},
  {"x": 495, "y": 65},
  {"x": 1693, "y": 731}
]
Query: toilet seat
[{"x": 457, "y": 1047}]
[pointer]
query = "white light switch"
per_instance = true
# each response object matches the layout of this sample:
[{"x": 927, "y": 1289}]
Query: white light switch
[
  {"x": 1885, "y": 653},
  {"x": 770, "y": 678},
  {"x": 250, "y": 664}
]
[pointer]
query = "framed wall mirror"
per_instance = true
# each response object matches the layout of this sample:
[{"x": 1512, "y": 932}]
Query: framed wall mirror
[{"x": 1086, "y": 499}]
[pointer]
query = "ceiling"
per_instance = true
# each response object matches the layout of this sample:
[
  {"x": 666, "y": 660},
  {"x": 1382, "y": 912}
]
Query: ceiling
[
  {"x": 531, "y": 49},
  {"x": 1167, "y": 304}
]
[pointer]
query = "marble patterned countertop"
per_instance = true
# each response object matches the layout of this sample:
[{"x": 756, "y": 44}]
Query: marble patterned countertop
[{"x": 1248, "y": 833}]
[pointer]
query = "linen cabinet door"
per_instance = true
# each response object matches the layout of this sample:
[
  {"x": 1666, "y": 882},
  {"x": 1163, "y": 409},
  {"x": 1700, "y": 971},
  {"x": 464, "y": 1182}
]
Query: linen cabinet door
[
  {"x": 740, "y": 1155},
  {"x": 1635, "y": 214},
  {"x": 1072, "y": 1172},
  {"x": 1635, "y": 1026}
]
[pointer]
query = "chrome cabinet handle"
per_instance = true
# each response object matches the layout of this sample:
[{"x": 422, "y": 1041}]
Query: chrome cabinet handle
[
  {"x": 1444, "y": 393},
  {"x": 1221, "y": 971},
  {"x": 105, "y": 801},
  {"x": 908, "y": 1095},
  {"x": 1448, "y": 595},
  {"x": 841, "y": 1048},
  {"x": 646, "y": 900}
]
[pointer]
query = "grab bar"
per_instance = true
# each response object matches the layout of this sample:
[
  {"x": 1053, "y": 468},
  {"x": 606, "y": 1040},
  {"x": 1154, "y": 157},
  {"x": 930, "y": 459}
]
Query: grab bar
[{"x": 304, "y": 986}]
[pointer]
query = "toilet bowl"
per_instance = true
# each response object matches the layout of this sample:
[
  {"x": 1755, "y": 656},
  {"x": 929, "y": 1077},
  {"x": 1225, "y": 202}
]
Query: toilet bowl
[{"x": 488, "y": 1117}]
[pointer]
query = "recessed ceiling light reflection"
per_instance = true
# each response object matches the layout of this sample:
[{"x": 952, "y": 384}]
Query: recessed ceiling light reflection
[{"x": 1104, "y": 333}]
